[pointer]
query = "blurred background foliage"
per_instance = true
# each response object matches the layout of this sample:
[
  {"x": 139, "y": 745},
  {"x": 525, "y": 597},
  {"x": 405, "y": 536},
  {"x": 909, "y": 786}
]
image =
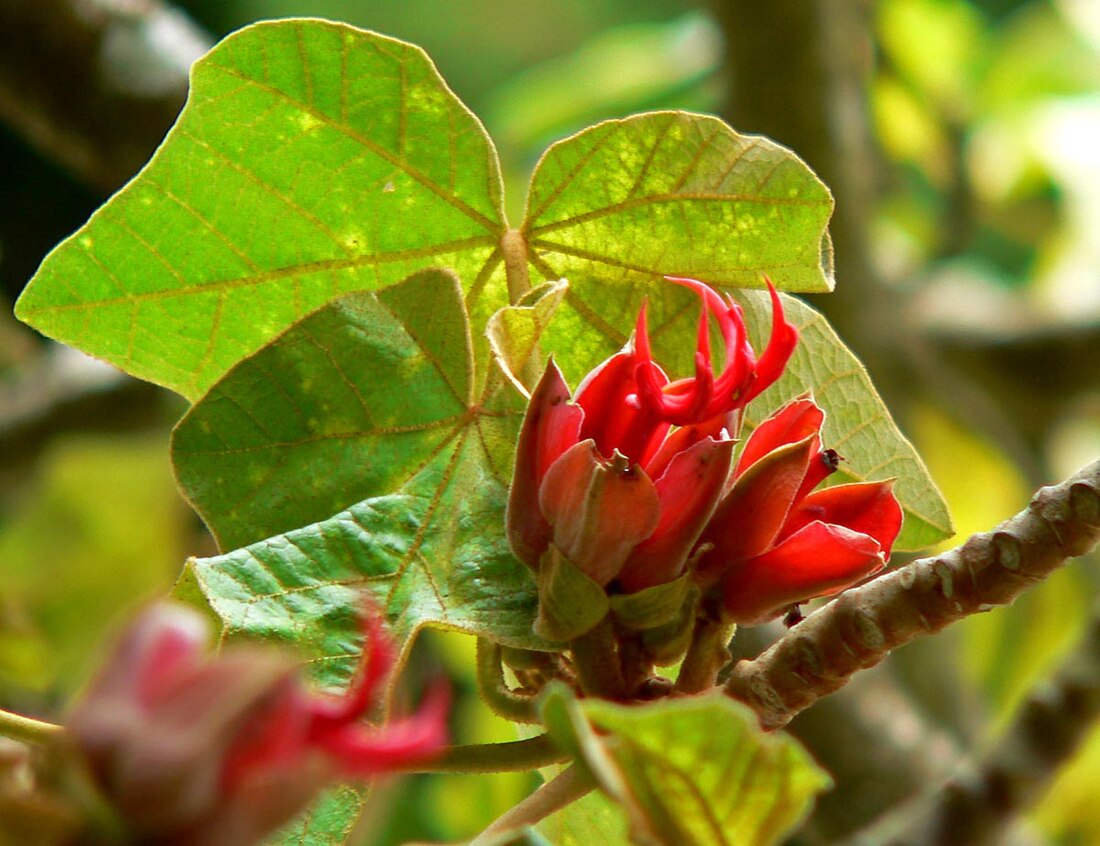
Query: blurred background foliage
[{"x": 979, "y": 224}]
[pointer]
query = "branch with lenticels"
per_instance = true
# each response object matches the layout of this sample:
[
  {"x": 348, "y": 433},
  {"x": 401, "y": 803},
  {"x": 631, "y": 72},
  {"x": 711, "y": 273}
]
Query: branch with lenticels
[{"x": 863, "y": 625}]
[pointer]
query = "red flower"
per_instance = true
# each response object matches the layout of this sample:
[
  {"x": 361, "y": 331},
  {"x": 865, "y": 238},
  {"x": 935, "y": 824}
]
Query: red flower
[
  {"x": 191, "y": 749},
  {"x": 773, "y": 542},
  {"x": 606, "y": 478}
]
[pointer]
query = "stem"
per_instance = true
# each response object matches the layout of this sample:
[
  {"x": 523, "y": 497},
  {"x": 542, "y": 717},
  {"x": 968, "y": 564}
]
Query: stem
[
  {"x": 552, "y": 796},
  {"x": 598, "y": 665},
  {"x": 27, "y": 729},
  {"x": 514, "y": 248},
  {"x": 519, "y": 707},
  {"x": 865, "y": 624},
  {"x": 512, "y": 756},
  {"x": 978, "y": 805},
  {"x": 706, "y": 656}
]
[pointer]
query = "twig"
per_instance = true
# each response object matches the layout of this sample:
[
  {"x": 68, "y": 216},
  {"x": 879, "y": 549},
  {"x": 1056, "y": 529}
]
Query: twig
[
  {"x": 519, "y": 706},
  {"x": 978, "y": 804},
  {"x": 706, "y": 656},
  {"x": 510, "y": 756},
  {"x": 27, "y": 729},
  {"x": 552, "y": 796},
  {"x": 861, "y": 627}
]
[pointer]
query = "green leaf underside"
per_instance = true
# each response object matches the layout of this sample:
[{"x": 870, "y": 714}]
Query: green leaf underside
[
  {"x": 312, "y": 159},
  {"x": 327, "y": 822},
  {"x": 348, "y": 403},
  {"x": 858, "y": 425},
  {"x": 680, "y": 194},
  {"x": 696, "y": 771}
]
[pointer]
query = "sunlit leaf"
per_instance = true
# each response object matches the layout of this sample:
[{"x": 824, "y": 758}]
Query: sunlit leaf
[
  {"x": 592, "y": 819},
  {"x": 682, "y": 194},
  {"x": 514, "y": 332},
  {"x": 312, "y": 159},
  {"x": 693, "y": 772}
]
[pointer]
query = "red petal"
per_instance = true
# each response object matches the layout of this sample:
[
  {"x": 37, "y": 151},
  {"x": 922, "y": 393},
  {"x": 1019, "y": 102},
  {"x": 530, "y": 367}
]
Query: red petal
[
  {"x": 717, "y": 427},
  {"x": 599, "y": 511},
  {"x": 375, "y": 662},
  {"x": 689, "y": 490},
  {"x": 868, "y": 507},
  {"x": 614, "y": 416},
  {"x": 550, "y": 427},
  {"x": 359, "y": 751},
  {"x": 780, "y": 347},
  {"x": 795, "y": 421},
  {"x": 750, "y": 516},
  {"x": 823, "y": 465},
  {"x": 818, "y": 560}
]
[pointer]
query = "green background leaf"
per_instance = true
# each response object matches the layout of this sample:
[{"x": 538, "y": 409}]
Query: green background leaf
[
  {"x": 312, "y": 159},
  {"x": 679, "y": 194},
  {"x": 695, "y": 771}
]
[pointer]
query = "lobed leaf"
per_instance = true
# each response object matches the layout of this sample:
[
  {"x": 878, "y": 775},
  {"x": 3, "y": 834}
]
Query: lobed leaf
[
  {"x": 674, "y": 193},
  {"x": 433, "y": 552},
  {"x": 312, "y": 159}
]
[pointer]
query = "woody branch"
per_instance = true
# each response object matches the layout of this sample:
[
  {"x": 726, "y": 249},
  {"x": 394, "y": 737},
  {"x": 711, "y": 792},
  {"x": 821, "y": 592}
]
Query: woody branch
[{"x": 860, "y": 628}]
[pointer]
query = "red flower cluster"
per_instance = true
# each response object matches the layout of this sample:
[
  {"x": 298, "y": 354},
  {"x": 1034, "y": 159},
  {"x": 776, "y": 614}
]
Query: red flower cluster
[
  {"x": 633, "y": 479},
  {"x": 197, "y": 750}
]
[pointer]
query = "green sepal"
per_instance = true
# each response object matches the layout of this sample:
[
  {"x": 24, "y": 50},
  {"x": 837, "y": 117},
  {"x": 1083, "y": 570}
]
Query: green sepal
[
  {"x": 570, "y": 603},
  {"x": 667, "y": 644},
  {"x": 653, "y": 607}
]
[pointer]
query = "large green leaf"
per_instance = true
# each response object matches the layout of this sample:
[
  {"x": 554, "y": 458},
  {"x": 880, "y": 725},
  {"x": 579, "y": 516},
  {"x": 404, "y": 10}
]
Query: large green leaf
[
  {"x": 696, "y": 771},
  {"x": 681, "y": 194},
  {"x": 433, "y": 552},
  {"x": 858, "y": 425},
  {"x": 348, "y": 403},
  {"x": 311, "y": 159},
  {"x": 359, "y": 382}
]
